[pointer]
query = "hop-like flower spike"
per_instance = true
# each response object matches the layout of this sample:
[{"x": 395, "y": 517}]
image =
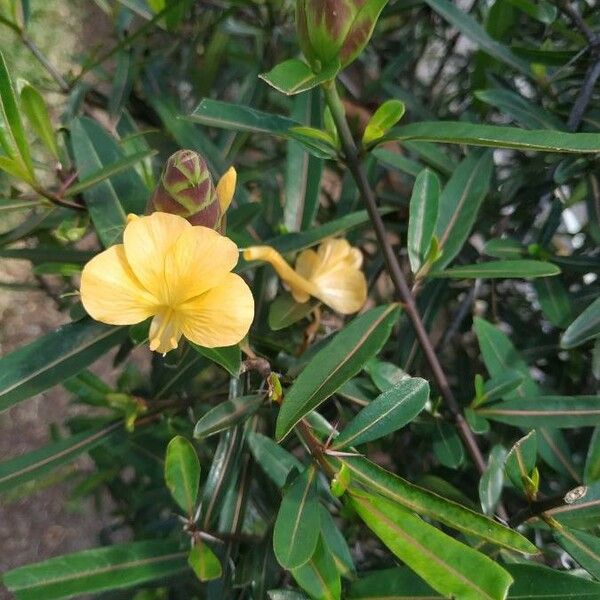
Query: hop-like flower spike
[
  {"x": 186, "y": 189},
  {"x": 335, "y": 29}
]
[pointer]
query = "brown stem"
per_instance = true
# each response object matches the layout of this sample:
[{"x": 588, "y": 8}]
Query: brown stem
[{"x": 397, "y": 276}]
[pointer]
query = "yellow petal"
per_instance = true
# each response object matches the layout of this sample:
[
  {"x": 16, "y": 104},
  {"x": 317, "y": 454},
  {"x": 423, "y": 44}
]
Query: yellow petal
[
  {"x": 111, "y": 293},
  {"x": 226, "y": 189},
  {"x": 306, "y": 263},
  {"x": 300, "y": 286},
  {"x": 164, "y": 331},
  {"x": 220, "y": 317},
  {"x": 344, "y": 291},
  {"x": 197, "y": 262},
  {"x": 147, "y": 241}
]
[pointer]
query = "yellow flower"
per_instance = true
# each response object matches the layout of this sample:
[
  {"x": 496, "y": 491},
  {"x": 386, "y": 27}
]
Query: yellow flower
[
  {"x": 332, "y": 274},
  {"x": 175, "y": 272}
]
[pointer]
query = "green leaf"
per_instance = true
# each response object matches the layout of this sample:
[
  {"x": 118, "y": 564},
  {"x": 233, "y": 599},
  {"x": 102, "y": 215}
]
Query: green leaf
[
  {"x": 53, "y": 358},
  {"x": 387, "y": 413},
  {"x": 105, "y": 173},
  {"x": 521, "y": 460},
  {"x": 436, "y": 507},
  {"x": 37, "y": 463},
  {"x": 319, "y": 576},
  {"x": 499, "y": 387},
  {"x": 447, "y": 445},
  {"x": 17, "y": 147},
  {"x": 424, "y": 203},
  {"x": 583, "y": 547},
  {"x": 450, "y": 567},
  {"x": 285, "y": 311},
  {"x": 399, "y": 583},
  {"x": 501, "y": 356},
  {"x": 297, "y": 527},
  {"x": 333, "y": 365},
  {"x": 182, "y": 473},
  {"x": 492, "y": 480},
  {"x": 585, "y": 327},
  {"x": 336, "y": 544},
  {"x": 592, "y": 461},
  {"x": 227, "y": 414},
  {"x": 496, "y": 136},
  {"x": 546, "y": 411},
  {"x": 527, "y": 113},
  {"x": 472, "y": 30},
  {"x": 541, "y": 11},
  {"x": 294, "y": 76},
  {"x": 554, "y": 300},
  {"x": 276, "y": 462},
  {"x": 397, "y": 161},
  {"x": 302, "y": 170},
  {"x": 459, "y": 204},
  {"x": 94, "y": 571},
  {"x": 229, "y": 357},
  {"x": 110, "y": 200},
  {"x": 501, "y": 269},
  {"x": 36, "y": 111},
  {"x": 384, "y": 118},
  {"x": 504, "y": 248},
  {"x": 581, "y": 508},
  {"x": 533, "y": 582},
  {"x": 236, "y": 117},
  {"x": 204, "y": 563}
]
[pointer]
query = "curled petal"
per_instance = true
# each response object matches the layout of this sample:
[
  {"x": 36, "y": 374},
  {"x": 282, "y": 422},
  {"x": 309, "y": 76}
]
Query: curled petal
[
  {"x": 301, "y": 287},
  {"x": 306, "y": 263},
  {"x": 147, "y": 241},
  {"x": 345, "y": 292},
  {"x": 220, "y": 317},
  {"x": 197, "y": 262},
  {"x": 226, "y": 189},
  {"x": 111, "y": 293}
]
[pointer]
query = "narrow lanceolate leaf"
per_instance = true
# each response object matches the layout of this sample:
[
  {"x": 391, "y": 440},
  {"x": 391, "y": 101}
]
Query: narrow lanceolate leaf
[
  {"x": 585, "y": 327},
  {"x": 336, "y": 544},
  {"x": 17, "y": 145},
  {"x": 554, "y": 299},
  {"x": 110, "y": 200},
  {"x": 204, "y": 562},
  {"x": 224, "y": 115},
  {"x": 592, "y": 461},
  {"x": 521, "y": 460},
  {"x": 94, "y": 571},
  {"x": 501, "y": 269},
  {"x": 319, "y": 577},
  {"x": 36, "y": 111},
  {"x": 182, "y": 473},
  {"x": 472, "y": 30},
  {"x": 583, "y": 547},
  {"x": 495, "y": 136},
  {"x": 333, "y": 365},
  {"x": 447, "y": 446},
  {"x": 546, "y": 411},
  {"x": 297, "y": 526},
  {"x": 276, "y": 462},
  {"x": 448, "y": 566},
  {"x": 533, "y": 582},
  {"x": 492, "y": 480},
  {"x": 39, "y": 463},
  {"x": 227, "y": 414},
  {"x": 388, "y": 412},
  {"x": 581, "y": 508},
  {"x": 53, "y": 358},
  {"x": 436, "y": 507},
  {"x": 459, "y": 204},
  {"x": 423, "y": 217}
]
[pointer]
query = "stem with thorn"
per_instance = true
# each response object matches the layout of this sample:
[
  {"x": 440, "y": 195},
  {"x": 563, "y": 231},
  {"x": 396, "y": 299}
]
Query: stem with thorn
[{"x": 353, "y": 162}]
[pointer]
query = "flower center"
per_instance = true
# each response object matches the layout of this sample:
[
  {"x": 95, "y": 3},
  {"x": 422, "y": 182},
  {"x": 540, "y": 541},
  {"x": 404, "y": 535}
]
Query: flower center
[{"x": 164, "y": 331}]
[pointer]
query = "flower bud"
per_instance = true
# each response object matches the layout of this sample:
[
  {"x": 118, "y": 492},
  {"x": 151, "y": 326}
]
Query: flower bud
[
  {"x": 186, "y": 189},
  {"x": 335, "y": 29}
]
